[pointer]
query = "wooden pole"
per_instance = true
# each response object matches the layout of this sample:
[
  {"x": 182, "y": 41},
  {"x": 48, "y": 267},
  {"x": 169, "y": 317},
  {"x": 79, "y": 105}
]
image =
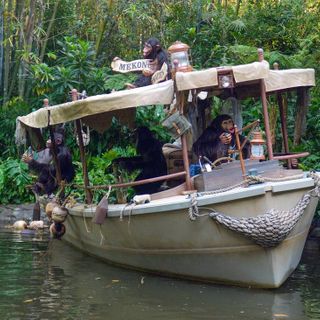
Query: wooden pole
[
  {"x": 74, "y": 94},
  {"x": 54, "y": 152},
  {"x": 283, "y": 118},
  {"x": 181, "y": 99},
  {"x": 243, "y": 169},
  {"x": 265, "y": 109},
  {"x": 136, "y": 183}
]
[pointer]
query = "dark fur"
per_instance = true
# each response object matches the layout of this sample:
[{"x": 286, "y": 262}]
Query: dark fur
[
  {"x": 150, "y": 161},
  {"x": 47, "y": 182},
  {"x": 156, "y": 53},
  {"x": 209, "y": 144}
]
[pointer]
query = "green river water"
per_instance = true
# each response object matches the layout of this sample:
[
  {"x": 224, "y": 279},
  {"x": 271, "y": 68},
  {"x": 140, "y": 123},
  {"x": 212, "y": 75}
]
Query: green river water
[{"x": 45, "y": 279}]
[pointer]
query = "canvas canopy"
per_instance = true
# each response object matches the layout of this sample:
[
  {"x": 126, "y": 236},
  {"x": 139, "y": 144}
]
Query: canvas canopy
[
  {"x": 209, "y": 77},
  {"x": 291, "y": 78},
  {"x": 274, "y": 79},
  {"x": 101, "y": 107},
  {"x": 97, "y": 111}
]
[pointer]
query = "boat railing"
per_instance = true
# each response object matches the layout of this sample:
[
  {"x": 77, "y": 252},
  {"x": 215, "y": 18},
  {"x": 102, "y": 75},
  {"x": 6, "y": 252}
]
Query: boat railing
[
  {"x": 134, "y": 183},
  {"x": 286, "y": 156}
]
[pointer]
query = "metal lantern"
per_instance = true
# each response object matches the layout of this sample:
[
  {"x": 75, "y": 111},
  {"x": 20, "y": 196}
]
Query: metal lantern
[
  {"x": 225, "y": 81},
  {"x": 257, "y": 149},
  {"x": 179, "y": 56}
]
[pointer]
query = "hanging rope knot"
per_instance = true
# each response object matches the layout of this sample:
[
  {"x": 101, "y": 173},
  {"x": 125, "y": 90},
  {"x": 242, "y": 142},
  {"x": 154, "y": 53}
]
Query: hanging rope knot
[
  {"x": 316, "y": 177},
  {"x": 193, "y": 209}
]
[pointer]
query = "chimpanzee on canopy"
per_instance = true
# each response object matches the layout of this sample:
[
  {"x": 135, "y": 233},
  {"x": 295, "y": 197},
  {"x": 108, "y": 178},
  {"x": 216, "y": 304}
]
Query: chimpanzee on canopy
[{"x": 152, "y": 50}]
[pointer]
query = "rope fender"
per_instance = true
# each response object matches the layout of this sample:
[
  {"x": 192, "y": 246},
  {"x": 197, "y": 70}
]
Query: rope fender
[
  {"x": 269, "y": 229},
  {"x": 266, "y": 230}
]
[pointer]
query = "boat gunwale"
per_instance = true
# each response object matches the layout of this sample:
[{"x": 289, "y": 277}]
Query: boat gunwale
[{"x": 180, "y": 202}]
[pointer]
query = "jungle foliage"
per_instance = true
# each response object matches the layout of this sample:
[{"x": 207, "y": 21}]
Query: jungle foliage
[{"x": 49, "y": 47}]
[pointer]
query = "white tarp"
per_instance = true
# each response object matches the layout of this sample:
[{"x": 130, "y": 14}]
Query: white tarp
[
  {"x": 161, "y": 93},
  {"x": 209, "y": 77},
  {"x": 291, "y": 78}
]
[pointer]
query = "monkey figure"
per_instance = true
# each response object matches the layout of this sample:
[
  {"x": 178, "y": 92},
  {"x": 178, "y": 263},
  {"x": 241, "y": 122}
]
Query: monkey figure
[
  {"x": 46, "y": 182},
  {"x": 218, "y": 138},
  {"x": 150, "y": 161},
  {"x": 152, "y": 50}
]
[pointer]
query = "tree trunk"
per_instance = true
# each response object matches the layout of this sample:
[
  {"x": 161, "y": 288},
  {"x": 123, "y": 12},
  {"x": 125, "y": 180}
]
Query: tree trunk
[
  {"x": 238, "y": 7},
  {"x": 27, "y": 46},
  {"x": 17, "y": 46},
  {"x": 51, "y": 22},
  {"x": 7, "y": 51}
]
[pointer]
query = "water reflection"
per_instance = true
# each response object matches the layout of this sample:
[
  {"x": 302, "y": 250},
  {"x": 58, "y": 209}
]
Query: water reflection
[{"x": 50, "y": 280}]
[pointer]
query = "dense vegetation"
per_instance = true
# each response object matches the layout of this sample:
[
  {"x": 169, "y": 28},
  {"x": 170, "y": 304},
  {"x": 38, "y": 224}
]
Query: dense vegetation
[{"x": 51, "y": 46}]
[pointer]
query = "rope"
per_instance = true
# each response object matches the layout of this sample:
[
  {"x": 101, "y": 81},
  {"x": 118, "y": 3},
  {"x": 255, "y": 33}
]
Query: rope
[
  {"x": 84, "y": 220},
  {"x": 269, "y": 229},
  {"x": 316, "y": 191},
  {"x": 249, "y": 180},
  {"x": 101, "y": 234},
  {"x": 193, "y": 209},
  {"x": 266, "y": 230},
  {"x": 203, "y": 193}
]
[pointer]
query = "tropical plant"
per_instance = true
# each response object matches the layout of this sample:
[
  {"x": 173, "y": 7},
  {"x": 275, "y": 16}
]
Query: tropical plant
[{"x": 14, "y": 178}]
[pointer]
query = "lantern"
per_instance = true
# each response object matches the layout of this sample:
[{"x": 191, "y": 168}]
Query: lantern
[
  {"x": 225, "y": 81},
  {"x": 257, "y": 144},
  {"x": 179, "y": 56}
]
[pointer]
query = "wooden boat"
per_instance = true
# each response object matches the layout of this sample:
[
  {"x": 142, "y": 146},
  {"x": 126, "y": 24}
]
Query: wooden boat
[{"x": 231, "y": 229}]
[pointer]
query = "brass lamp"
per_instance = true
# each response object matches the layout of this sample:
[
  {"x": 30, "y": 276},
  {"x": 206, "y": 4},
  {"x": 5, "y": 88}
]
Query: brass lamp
[
  {"x": 257, "y": 149},
  {"x": 179, "y": 56}
]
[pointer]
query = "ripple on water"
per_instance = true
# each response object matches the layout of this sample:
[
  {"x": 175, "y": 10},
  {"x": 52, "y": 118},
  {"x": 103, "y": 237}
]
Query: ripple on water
[{"x": 50, "y": 280}]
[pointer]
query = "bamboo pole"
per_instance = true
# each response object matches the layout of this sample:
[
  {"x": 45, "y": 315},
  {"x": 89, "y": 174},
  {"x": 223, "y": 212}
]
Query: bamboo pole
[{"x": 74, "y": 94}]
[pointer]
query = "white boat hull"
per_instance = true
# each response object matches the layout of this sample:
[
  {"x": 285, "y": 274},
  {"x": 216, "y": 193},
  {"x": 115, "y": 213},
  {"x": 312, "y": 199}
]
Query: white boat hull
[{"x": 160, "y": 238}]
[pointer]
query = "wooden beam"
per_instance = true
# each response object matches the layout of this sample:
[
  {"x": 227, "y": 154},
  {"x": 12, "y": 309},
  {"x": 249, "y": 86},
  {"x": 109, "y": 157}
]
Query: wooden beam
[{"x": 82, "y": 153}]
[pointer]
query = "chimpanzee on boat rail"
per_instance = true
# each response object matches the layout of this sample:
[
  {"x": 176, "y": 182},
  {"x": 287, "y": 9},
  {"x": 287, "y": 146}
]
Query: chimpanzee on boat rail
[{"x": 47, "y": 182}]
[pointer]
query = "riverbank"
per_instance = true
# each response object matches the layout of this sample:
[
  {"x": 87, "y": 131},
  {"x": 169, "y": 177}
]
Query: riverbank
[{"x": 11, "y": 213}]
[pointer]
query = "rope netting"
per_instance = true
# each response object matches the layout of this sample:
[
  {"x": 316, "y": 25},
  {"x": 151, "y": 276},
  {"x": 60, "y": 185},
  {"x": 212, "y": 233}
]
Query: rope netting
[{"x": 267, "y": 230}]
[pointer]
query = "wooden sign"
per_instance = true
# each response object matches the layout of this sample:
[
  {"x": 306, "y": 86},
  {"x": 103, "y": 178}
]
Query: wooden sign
[
  {"x": 119, "y": 65},
  {"x": 160, "y": 75}
]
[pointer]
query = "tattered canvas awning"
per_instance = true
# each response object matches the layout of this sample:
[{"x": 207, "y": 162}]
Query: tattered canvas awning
[{"x": 101, "y": 107}]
